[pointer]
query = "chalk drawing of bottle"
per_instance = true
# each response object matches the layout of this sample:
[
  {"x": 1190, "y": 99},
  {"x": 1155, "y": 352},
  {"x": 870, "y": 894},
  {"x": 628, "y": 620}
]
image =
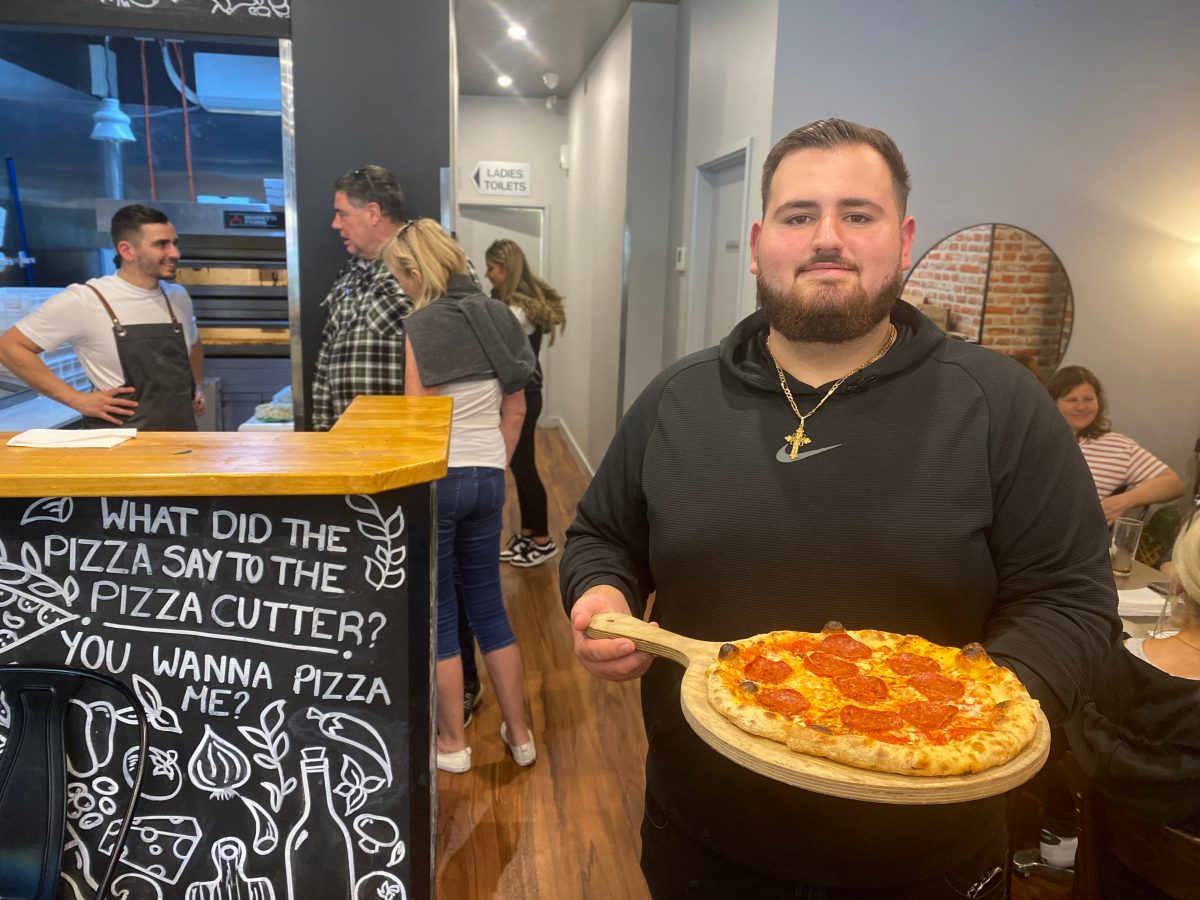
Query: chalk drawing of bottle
[{"x": 318, "y": 848}]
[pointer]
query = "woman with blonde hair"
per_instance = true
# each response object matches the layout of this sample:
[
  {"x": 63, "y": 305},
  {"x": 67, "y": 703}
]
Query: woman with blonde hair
[
  {"x": 468, "y": 346},
  {"x": 1126, "y": 474},
  {"x": 1138, "y": 735},
  {"x": 539, "y": 309}
]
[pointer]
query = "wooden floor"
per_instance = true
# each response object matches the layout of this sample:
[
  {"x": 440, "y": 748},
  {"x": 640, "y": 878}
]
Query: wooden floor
[{"x": 567, "y": 827}]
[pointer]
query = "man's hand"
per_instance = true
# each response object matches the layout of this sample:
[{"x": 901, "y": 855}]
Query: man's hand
[
  {"x": 105, "y": 405},
  {"x": 616, "y": 659},
  {"x": 198, "y": 404},
  {"x": 1115, "y": 506}
]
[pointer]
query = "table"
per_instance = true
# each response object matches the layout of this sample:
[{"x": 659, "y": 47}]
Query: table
[{"x": 1139, "y": 577}]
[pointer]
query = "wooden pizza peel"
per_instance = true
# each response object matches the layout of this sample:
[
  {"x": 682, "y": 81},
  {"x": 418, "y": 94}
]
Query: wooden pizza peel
[{"x": 812, "y": 773}]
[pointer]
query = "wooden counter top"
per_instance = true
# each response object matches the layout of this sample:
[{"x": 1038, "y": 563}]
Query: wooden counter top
[{"x": 379, "y": 444}]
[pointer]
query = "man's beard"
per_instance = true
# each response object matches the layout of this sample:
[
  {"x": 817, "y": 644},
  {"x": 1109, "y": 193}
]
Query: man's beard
[{"x": 827, "y": 314}]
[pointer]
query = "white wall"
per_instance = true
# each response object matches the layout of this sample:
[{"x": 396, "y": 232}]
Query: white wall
[
  {"x": 1076, "y": 120},
  {"x": 598, "y": 139},
  {"x": 725, "y": 66}
]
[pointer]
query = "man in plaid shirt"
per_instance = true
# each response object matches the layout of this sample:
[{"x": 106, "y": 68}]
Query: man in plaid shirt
[{"x": 362, "y": 345}]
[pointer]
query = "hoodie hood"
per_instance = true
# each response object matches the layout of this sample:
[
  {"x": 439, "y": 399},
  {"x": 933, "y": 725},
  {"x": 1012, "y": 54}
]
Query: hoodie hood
[{"x": 744, "y": 352}]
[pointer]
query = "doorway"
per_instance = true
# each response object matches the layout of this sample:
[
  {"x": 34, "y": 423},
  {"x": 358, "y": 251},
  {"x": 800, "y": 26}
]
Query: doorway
[
  {"x": 720, "y": 252},
  {"x": 480, "y": 224}
]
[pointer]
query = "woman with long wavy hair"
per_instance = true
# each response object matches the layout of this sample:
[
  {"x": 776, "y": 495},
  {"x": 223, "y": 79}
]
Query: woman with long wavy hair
[{"x": 539, "y": 309}]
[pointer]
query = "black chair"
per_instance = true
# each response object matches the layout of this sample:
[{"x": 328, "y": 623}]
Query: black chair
[
  {"x": 33, "y": 778},
  {"x": 1165, "y": 859}
]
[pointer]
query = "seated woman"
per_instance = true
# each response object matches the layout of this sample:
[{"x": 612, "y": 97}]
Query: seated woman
[
  {"x": 1116, "y": 461},
  {"x": 465, "y": 345},
  {"x": 1138, "y": 736}
]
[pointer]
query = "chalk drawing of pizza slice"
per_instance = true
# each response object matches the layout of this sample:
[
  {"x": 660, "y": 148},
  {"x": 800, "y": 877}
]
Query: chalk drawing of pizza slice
[{"x": 31, "y": 604}]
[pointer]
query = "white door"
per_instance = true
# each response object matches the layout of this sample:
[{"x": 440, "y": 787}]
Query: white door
[
  {"x": 479, "y": 225},
  {"x": 725, "y": 251}
]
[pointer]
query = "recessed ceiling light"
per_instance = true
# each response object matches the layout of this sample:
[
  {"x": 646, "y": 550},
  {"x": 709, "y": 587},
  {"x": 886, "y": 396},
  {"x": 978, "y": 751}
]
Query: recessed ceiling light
[
  {"x": 504, "y": 81},
  {"x": 516, "y": 32}
]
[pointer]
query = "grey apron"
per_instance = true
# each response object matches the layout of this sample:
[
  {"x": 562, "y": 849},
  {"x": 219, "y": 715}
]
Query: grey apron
[{"x": 155, "y": 362}]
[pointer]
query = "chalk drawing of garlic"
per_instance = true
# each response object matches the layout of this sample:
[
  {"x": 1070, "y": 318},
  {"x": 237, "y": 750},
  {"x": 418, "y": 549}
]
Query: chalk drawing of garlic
[
  {"x": 385, "y": 565},
  {"x": 218, "y": 766}
]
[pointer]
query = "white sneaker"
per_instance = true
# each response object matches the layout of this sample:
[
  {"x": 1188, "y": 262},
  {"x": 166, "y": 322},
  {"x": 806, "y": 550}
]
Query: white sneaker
[
  {"x": 516, "y": 545},
  {"x": 1058, "y": 849},
  {"x": 522, "y": 755},
  {"x": 457, "y": 762}
]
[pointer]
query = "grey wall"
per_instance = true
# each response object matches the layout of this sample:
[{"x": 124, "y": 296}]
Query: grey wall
[
  {"x": 726, "y": 69},
  {"x": 1077, "y": 120},
  {"x": 598, "y": 139},
  {"x": 372, "y": 85}
]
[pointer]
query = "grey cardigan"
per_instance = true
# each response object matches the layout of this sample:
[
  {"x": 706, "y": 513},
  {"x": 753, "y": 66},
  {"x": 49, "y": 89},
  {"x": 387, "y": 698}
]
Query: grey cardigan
[{"x": 467, "y": 336}]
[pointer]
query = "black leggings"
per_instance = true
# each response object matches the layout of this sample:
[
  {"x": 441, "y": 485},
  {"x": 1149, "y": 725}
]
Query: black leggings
[{"x": 531, "y": 494}]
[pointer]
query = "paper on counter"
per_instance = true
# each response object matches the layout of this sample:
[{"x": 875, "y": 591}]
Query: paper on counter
[
  {"x": 1139, "y": 602},
  {"x": 86, "y": 437}
]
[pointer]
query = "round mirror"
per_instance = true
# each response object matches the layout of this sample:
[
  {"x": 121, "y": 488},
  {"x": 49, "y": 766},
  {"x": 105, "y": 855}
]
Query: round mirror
[{"x": 999, "y": 286}]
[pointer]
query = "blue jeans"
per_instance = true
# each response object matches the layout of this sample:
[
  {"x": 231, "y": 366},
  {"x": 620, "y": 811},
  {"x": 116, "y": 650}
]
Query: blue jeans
[{"x": 470, "y": 501}]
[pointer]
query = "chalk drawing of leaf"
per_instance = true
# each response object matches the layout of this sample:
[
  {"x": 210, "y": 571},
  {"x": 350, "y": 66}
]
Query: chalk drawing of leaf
[
  {"x": 397, "y": 854},
  {"x": 159, "y": 716},
  {"x": 361, "y": 503},
  {"x": 49, "y": 509},
  {"x": 30, "y": 558}
]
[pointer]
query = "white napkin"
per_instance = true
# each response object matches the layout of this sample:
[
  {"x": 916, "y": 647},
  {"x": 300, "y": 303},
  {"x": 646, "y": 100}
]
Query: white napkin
[
  {"x": 82, "y": 437},
  {"x": 1139, "y": 602}
]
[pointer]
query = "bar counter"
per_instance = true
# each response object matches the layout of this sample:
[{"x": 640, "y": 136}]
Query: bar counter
[
  {"x": 267, "y": 597},
  {"x": 379, "y": 444}
]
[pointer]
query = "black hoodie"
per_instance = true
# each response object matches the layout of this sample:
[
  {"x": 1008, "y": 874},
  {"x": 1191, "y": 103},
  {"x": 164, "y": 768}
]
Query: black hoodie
[{"x": 942, "y": 495}]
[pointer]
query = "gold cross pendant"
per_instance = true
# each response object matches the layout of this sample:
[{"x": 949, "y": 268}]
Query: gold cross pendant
[{"x": 797, "y": 439}]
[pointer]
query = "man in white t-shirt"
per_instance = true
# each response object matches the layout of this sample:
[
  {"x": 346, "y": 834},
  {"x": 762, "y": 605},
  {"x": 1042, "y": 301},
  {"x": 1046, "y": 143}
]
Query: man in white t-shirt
[{"x": 134, "y": 332}]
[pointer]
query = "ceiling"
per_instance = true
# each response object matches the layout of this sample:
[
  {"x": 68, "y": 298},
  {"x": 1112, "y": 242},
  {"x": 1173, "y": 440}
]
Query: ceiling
[{"x": 562, "y": 36}]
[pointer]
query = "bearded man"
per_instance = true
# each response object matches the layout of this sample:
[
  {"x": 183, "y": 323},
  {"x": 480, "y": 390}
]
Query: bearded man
[{"x": 836, "y": 457}]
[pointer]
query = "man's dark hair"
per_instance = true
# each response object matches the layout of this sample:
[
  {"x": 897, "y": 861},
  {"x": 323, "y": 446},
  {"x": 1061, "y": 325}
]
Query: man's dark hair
[
  {"x": 829, "y": 134},
  {"x": 373, "y": 184},
  {"x": 128, "y": 221}
]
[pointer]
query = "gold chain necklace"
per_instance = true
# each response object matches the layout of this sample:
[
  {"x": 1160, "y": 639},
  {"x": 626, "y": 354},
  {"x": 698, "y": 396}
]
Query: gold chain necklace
[{"x": 798, "y": 438}]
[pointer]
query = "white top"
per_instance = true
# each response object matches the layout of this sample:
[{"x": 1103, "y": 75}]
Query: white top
[
  {"x": 475, "y": 438},
  {"x": 1135, "y": 645},
  {"x": 1117, "y": 460},
  {"x": 76, "y": 317}
]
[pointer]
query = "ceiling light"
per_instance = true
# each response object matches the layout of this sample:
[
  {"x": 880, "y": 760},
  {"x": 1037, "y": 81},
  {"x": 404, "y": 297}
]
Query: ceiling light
[
  {"x": 504, "y": 81},
  {"x": 516, "y": 32}
]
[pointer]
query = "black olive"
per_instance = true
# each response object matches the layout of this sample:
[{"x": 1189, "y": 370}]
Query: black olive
[
  {"x": 726, "y": 651},
  {"x": 749, "y": 687}
]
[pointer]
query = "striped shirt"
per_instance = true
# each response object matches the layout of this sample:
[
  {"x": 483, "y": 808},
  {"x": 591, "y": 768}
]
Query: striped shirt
[{"x": 1118, "y": 461}]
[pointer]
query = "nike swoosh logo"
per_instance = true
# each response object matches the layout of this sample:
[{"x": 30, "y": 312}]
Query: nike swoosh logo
[{"x": 784, "y": 454}]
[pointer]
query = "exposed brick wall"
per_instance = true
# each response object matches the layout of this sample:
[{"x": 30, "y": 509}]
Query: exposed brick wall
[
  {"x": 1027, "y": 297},
  {"x": 1027, "y": 311},
  {"x": 953, "y": 274}
]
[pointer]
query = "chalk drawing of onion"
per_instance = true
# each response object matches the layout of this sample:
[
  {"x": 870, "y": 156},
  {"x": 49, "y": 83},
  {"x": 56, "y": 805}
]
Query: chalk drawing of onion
[{"x": 217, "y": 766}]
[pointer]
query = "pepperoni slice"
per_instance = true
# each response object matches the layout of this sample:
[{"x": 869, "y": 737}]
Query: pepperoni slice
[
  {"x": 769, "y": 671},
  {"x": 784, "y": 701},
  {"x": 912, "y": 663},
  {"x": 843, "y": 645},
  {"x": 822, "y": 663},
  {"x": 858, "y": 719},
  {"x": 936, "y": 686},
  {"x": 865, "y": 688},
  {"x": 928, "y": 715}
]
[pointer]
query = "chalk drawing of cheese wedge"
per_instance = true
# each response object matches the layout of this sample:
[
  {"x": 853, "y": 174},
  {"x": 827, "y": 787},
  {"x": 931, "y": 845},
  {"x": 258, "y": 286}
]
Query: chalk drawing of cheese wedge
[
  {"x": 160, "y": 846},
  {"x": 31, "y": 604}
]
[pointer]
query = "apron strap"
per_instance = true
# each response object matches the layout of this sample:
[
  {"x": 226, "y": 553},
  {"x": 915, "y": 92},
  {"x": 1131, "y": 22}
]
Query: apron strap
[{"x": 118, "y": 327}]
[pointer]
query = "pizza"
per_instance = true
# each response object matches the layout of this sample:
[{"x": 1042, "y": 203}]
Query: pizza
[{"x": 875, "y": 700}]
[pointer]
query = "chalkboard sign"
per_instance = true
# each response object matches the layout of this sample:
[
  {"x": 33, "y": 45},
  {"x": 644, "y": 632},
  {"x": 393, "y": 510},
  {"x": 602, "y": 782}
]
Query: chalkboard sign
[
  {"x": 251, "y": 18},
  {"x": 281, "y": 649}
]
